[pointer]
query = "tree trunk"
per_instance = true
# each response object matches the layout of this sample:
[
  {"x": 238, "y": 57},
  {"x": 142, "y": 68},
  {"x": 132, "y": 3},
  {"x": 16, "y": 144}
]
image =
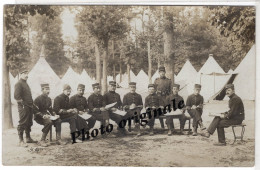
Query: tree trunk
[
  {"x": 7, "y": 115},
  {"x": 104, "y": 84},
  {"x": 114, "y": 66},
  {"x": 120, "y": 68},
  {"x": 149, "y": 62},
  {"x": 128, "y": 73},
  {"x": 168, "y": 38},
  {"x": 98, "y": 64}
]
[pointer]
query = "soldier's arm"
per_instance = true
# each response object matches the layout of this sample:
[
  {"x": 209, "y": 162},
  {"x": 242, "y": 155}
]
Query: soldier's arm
[
  {"x": 170, "y": 87},
  {"x": 201, "y": 103},
  {"x": 37, "y": 112},
  {"x": 90, "y": 103},
  {"x": 85, "y": 105},
  {"x": 18, "y": 93},
  {"x": 188, "y": 103},
  {"x": 57, "y": 107},
  {"x": 146, "y": 104},
  {"x": 72, "y": 103},
  {"x": 140, "y": 101},
  {"x": 125, "y": 106},
  {"x": 119, "y": 102},
  {"x": 50, "y": 109},
  {"x": 181, "y": 104},
  {"x": 233, "y": 108}
]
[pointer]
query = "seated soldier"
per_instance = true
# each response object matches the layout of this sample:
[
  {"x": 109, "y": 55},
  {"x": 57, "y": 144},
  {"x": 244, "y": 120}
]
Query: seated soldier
[
  {"x": 96, "y": 105},
  {"x": 43, "y": 112},
  {"x": 152, "y": 102},
  {"x": 133, "y": 104},
  {"x": 111, "y": 97},
  {"x": 176, "y": 102},
  {"x": 62, "y": 108},
  {"x": 234, "y": 116},
  {"x": 194, "y": 105}
]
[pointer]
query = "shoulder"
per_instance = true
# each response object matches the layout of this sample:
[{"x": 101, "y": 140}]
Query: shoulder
[
  {"x": 73, "y": 97},
  {"x": 58, "y": 97},
  {"x": 156, "y": 80},
  {"x": 106, "y": 94},
  {"x": 91, "y": 96},
  {"x": 37, "y": 98},
  {"x": 180, "y": 97},
  {"x": 127, "y": 94},
  {"x": 18, "y": 83},
  {"x": 139, "y": 95}
]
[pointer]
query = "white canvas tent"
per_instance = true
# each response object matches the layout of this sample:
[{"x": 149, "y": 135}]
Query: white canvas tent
[
  {"x": 211, "y": 77},
  {"x": 187, "y": 73},
  {"x": 245, "y": 81},
  {"x": 86, "y": 80},
  {"x": 155, "y": 75},
  {"x": 125, "y": 82},
  {"x": 13, "y": 81},
  {"x": 230, "y": 71},
  {"x": 42, "y": 73},
  {"x": 142, "y": 81}
]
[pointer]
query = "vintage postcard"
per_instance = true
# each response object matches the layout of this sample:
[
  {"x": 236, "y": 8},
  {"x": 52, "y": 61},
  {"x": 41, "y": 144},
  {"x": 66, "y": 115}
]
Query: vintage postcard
[{"x": 129, "y": 85}]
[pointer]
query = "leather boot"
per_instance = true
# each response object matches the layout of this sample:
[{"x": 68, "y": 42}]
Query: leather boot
[
  {"x": 138, "y": 130},
  {"x": 202, "y": 127},
  {"x": 181, "y": 131},
  {"x": 21, "y": 141},
  {"x": 43, "y": 142},
  {"x": 151, "y": 131},
  {"x": 194, "y": 131},
  {"x": 28, "y": 138},
  {"x": 169, "y": 130},
  {"x": 58, "y": 139}
]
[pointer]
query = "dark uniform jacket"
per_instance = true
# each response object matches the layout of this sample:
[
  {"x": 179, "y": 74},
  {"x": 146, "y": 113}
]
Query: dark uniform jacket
[
  {"x": 131, "y": 98},
  {"x": 179, "y": 102},
  {"x": 112, "y": 97},
  {"x": 163, "y": 86},
  {"x": 44, "y": 106},
  {"x": 153, "y": 100},
  {"x": 96, "y": 101},
  {"x": 61, "y": 105},
  {"x": 196, "y": 100},
  {"x": 22, "y": 92},
  {"x": 236, "y": 108},
  {"x": 78, "y": 102}
]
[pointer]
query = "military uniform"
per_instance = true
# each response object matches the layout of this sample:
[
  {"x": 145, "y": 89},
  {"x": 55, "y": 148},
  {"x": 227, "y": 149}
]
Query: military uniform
[
  {"x": 163, "y": 89},
  {"x": 112, "y": 97},
  {"x": 196, "y": 114},
  {"x": 234, "y": 116},
  {"x": 97, "y": 101},
  {"x": 169, "y": 119},
  {"x": 23, "y": 96},
  {"x": 129, "y": 99}
]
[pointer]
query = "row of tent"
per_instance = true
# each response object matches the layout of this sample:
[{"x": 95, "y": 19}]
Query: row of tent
[{"x": 211, "y": 76}]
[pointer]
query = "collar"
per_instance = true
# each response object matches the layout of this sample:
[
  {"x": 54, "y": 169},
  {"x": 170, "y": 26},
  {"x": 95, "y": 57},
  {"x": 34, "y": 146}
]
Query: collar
[
  {"x": 232, "y": 96},
  {"x": 164, "y": 77},
  {"x": 112, "y": 92}
]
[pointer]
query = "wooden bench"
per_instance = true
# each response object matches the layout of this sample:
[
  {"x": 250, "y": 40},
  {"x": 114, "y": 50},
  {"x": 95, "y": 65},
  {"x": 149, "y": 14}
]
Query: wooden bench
[{"x": 242, "y": 125}]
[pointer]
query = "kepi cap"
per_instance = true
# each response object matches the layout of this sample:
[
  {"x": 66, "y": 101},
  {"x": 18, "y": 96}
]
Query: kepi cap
[
  {"x": 112, "y": 83},
  {"x": 95, "y": 85},
  {"x": 81, "y": 86},
  {"x": 66, "y": 87},
  {"x": 230, "y": 86},
  {"x": 151, "y": 85},
  {"x": 161, "y": 68},
  {"x": 197, "y": 86},
  {"x": 45, "y": 85},
  {"x": 132, "y": 84}
]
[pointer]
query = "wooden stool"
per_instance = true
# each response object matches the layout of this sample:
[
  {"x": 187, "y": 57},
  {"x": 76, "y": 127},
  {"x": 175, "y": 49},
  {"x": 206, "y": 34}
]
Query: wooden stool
[{"x": 242, "y": 125}]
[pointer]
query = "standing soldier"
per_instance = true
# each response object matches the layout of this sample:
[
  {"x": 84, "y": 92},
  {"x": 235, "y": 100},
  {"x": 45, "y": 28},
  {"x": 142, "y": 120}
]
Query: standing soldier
[
  {"x": 234, "y": 116},
  {"x": 23, "y": 96},
  {"x": 133, "y": 104},
  {"x": 111, "y": 97},
  {"x": 163, "y": 87},
  {"x": 152, "y": 102},
  {"x": 79, "y": 103},
  {"x": 175, "y": 100},
  {"x": 43, "y": 106},
  {"x": 96, "y": 105},
  {"x": 194, "y": 105},
  {"x": 61, "y": 107}
]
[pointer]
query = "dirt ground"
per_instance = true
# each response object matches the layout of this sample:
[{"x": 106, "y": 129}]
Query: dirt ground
[{"x": 117, "y": 150}]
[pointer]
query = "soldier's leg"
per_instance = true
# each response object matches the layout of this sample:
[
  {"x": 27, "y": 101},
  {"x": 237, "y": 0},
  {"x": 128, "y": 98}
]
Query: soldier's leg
[
  {"x": 170, "y": 124},
  {"x": 182, "y": 120},
  {"x": 91, "y": 122},
  {"x": 192, "y": 113},
  {"x": 81, "y": 124},
  {"x": 72, "y": 121},
  {"x": 137, "y": 121},
  {"x": 47, "y": 123},
  {"x": 21, "y": 125},
  {"x": 29, "y": 123},
  {"x": 115, "y": 117},
  {"x": 213, "y": 125}
]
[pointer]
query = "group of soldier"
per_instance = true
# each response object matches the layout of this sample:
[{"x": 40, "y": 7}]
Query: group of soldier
[{"x": 161, "y": 93}]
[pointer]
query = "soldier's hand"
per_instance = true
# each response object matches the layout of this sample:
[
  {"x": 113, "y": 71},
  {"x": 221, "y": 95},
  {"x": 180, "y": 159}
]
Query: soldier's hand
[
  {"x": 46, "y": 116},
  {"x": 102, "y": 109},
  {"x": 193, "y": 107},
  {"x": 74, "y": 110},
  {"x": 113, "y": 109},
  {"x": 81, "y": 112},
  {"x": 95, "y": 109},
  {"x": 153, "y": 107}
]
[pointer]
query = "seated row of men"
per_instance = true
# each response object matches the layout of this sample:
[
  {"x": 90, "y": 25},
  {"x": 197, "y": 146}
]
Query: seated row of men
[{"x": 69, "y": 109}]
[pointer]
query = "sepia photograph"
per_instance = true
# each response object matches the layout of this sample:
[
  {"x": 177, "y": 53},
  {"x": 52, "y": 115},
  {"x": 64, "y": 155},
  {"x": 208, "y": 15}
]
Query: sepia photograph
[{"x": 128, "y": 85}]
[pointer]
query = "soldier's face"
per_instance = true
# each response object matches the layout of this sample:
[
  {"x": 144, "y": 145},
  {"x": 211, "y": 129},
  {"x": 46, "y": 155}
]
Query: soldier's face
[
  {"x": 24, "y": 76},
  {"x": 175, "y": 90},
  {"x": 46, "y": 91},
  {"x": 97, "y": 90},
  {"x": 67, "y": 92},
  {"x": 81, "y": 92},
  {"x": 162, "y": 73},
  {"x": 197, "y": 91},
  {"x": 132, "y": 89},
  {"x": 151, "y": 90},
  {"x": 112, "y": 88},
  {"x": 229, "y": 92}
]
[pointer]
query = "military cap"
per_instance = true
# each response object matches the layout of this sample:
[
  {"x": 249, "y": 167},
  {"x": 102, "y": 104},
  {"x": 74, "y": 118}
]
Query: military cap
[
  {"x": 151, "y": 85},
  {"x": 23, "y": 71},
  {"x": 132, "y": 84},
  {"x": 197, "y": 86},
  {"x": 112, "y": 83},
  {"x": 45, "y": 85},
  {"x": 95, "y": 85},
  {"x": 161, "y": 68},
  {"x": 66, "y": 87},
  {"x": 230, "y": 86},
  {"x": 81, "y": 86},
  {"x": 176, "y": 85}
]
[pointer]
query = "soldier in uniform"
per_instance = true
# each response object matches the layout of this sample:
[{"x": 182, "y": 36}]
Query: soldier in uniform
[
  {"x": 163, "y": 87},
  {"x": 194, "y": 105},
  {"x": 43, "y": 112},
  {"x": 96, "y": 105},
  {"x": 61, "y": 107},
  {"x": 152, "y": 102},
  {"x": 234, "y": 116},
  {"x": 132, "y": 103},
  {"x": 23, "y": 96},
  {"x": 111, "y": 97},
  {"x": 176, "y": 101},
  {"x": 79, "y": 103}
]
